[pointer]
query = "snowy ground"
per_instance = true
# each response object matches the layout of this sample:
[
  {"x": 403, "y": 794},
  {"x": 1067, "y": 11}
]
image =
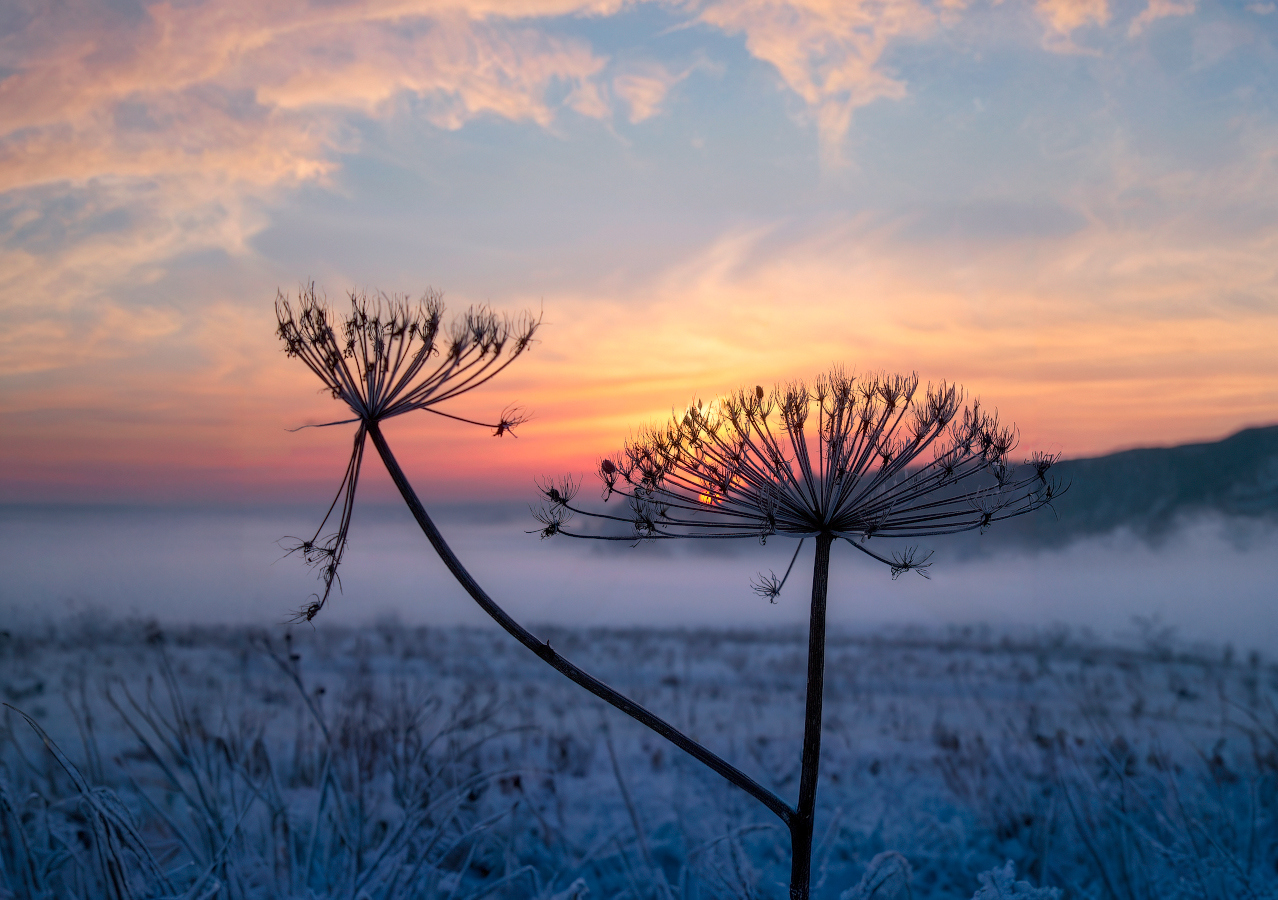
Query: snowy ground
[{"x": 391, "y": 761}]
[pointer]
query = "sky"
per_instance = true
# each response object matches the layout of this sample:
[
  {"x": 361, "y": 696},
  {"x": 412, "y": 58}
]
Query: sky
[{"x": 1070, "y": 207}]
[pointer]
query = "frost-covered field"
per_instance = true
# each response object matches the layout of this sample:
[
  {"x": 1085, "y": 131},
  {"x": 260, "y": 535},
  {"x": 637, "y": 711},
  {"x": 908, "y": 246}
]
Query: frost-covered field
[{"x": 397, "y": 762}]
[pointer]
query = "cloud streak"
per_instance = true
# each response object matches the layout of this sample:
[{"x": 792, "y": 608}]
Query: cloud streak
[
  {"x": 1064, "y": 17},
  {"x": 140, "y": 139},
  {"x": 829, "y": 53},
  {"x": 1159, "y": 9},
  {"x": 256, "y": 90}
]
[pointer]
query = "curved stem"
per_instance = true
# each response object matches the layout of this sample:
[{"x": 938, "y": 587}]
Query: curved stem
[
  {"x": 801, "y": 825},
  {"x": 560, "y": 664}
]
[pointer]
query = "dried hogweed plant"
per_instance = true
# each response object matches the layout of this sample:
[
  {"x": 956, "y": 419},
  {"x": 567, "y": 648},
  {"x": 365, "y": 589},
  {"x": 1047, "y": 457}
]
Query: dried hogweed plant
[
  {"x": 386, "y": 358},
  {"x": 851, "y": 459}
]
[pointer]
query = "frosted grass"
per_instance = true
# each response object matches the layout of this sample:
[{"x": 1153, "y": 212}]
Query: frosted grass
[{"x": 393, "y": 761}]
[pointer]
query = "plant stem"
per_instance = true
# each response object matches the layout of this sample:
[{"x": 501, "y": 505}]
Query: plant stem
[
  {"x": 562, "y": 665},
  {"x": 801, "y": 825}
]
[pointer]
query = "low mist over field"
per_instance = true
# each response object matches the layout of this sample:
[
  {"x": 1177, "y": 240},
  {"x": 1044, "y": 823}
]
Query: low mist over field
[{"x": 1181, "y": 538}]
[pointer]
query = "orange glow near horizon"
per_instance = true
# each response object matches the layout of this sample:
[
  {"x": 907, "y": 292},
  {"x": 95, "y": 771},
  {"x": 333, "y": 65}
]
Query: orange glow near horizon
[
  {"x": 792, "y": 190},
  {"x": 1078, "y": 392}
]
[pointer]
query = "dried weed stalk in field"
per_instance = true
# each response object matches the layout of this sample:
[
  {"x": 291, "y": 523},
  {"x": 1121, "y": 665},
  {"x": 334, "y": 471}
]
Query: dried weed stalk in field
[
  {"x": 846, "y": 458},
  {"x": 388, "y": 357},
  {"x": 376, "y": 360}
]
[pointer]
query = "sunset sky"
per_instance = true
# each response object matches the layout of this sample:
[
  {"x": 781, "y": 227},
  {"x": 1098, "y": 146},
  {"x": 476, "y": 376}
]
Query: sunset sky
[{"x": 1068, "y": 206}]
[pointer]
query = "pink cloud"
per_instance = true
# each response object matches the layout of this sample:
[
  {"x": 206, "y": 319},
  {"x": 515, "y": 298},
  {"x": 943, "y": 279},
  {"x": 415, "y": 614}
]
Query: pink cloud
[
  {"x": 254, "y": 89},
  {"x": 829, "y": 52},
  {"x": 468, "y": 68},
  {"x": 1159, "y": 9},
  {"x": 185, "y": 118},
  {"x": 1064, "y": 17},
  {"x": 644, "y": 88}
]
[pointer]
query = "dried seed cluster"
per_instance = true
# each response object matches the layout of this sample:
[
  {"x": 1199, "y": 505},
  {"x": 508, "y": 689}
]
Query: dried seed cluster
[
  {"x": 384, "y": 358},
  {"x": 852, "y": 456}
]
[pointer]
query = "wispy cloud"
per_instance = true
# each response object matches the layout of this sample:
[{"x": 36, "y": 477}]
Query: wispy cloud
[
  {"x": 254, "y": 91},
  {"x": 829, "y": 53},
  {"x": 643, "y": 87},
  {"x": 1159, "y": 9},
  {"x": 136, "y": 138},
  {"x": 1064, "y": 17}
]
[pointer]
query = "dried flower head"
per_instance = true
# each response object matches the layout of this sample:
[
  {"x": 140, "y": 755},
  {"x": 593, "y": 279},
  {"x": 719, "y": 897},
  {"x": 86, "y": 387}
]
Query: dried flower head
[
  {"x": 846, "y": 457},
  {"x": 384, "y": 358},
  {"x": 855, "y": 457}
]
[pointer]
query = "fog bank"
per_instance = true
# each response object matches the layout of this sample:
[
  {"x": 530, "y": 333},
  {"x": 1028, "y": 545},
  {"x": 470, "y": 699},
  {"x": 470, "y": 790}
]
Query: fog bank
[{"x": 1211, "y": 578}]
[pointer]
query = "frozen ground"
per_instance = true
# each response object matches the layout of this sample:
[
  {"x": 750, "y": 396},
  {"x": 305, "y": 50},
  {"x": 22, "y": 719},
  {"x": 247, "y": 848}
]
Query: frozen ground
[{"x": 391, "y": 761}]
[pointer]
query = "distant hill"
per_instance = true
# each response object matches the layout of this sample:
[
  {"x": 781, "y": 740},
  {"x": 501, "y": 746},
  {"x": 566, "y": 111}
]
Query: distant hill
[{"x": 1149, "y": 490}]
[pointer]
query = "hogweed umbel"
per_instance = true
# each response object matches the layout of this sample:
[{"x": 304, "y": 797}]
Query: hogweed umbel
[
  {"x": 386, "y": 357},
  {"x": 856, "y": 459},
  {"x": 852, "y": 457}
]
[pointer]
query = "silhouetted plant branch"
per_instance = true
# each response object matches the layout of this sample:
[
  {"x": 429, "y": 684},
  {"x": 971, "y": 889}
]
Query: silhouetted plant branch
[
  {"x": 388, "y": 357},
  {"x": 882, "y": 460},
  {"x": 768, "y": 586},
  {"x": 374, "y": 360}
]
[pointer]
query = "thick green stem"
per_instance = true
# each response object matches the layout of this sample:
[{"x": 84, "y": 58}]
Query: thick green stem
[
  {"x": 801, "y": 825},
  {"x": 559, "y": 663}
]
